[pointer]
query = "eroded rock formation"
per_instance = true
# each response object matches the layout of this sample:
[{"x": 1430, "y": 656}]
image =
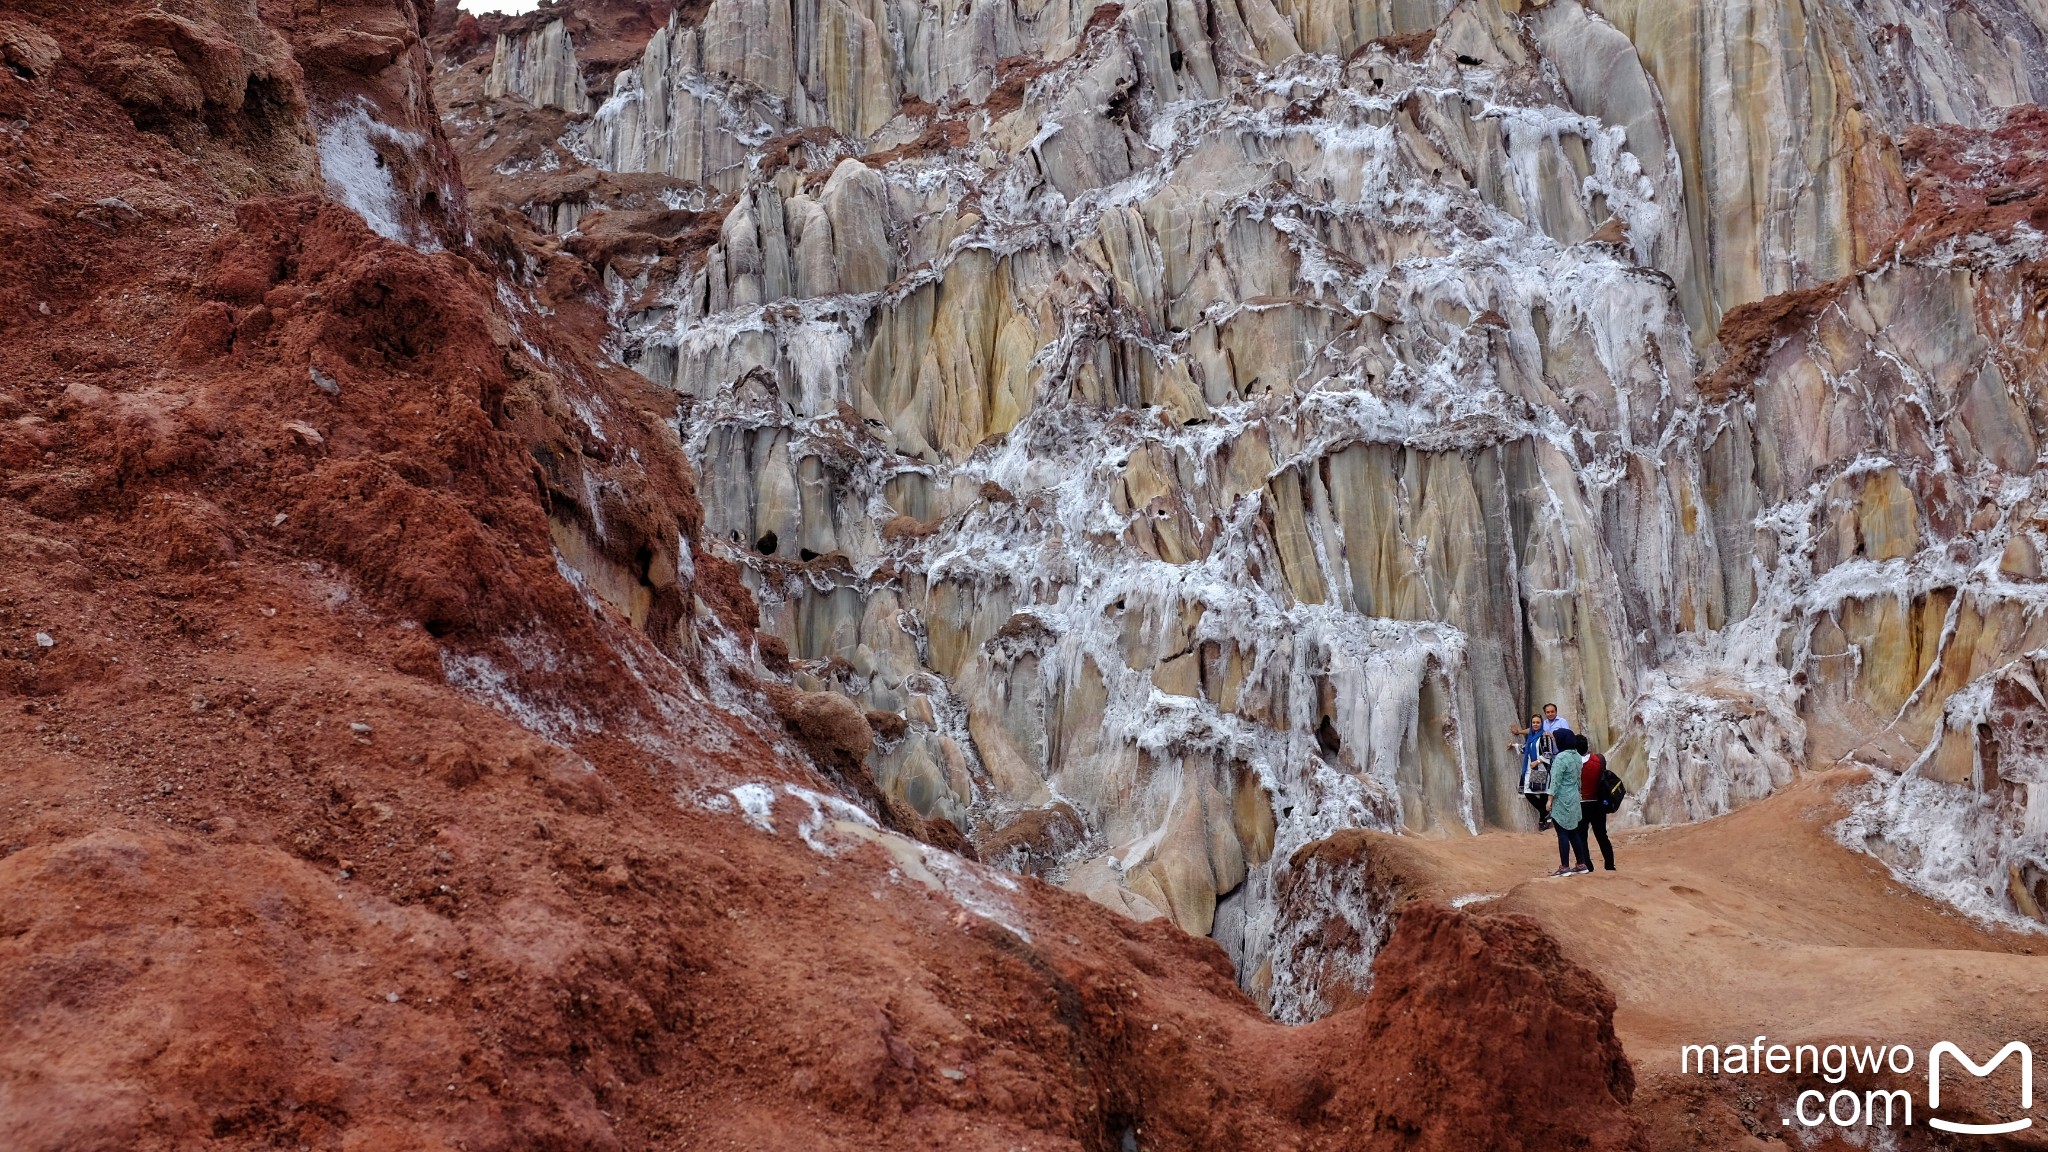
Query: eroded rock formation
[{"x": 1223, "y": 421}]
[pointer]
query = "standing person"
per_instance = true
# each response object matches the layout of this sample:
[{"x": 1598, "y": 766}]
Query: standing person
[
  {"x": 1566, "y": 812},
  {"x": 1552, "y": 722},
  {"x": 1591, "y": 804},
  {"x": 1535, "y": 785}
]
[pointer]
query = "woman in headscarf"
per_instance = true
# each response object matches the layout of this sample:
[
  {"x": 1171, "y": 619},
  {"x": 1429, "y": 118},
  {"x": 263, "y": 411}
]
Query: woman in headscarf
[
  {"x": 1535, "y": 784},
  {"x": 1591, "y": 804},
  {"x": 1566, "y": 815}
]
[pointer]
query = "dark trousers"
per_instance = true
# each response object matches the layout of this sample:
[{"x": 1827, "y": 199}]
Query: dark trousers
[
  {"x": 1535, "y": 800},
  {"x": 1596, "y": 819},
  {"x": 1571, "y": 843}
]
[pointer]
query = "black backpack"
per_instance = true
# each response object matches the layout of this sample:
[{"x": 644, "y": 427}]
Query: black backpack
[{"x": 1610, "y": 790}]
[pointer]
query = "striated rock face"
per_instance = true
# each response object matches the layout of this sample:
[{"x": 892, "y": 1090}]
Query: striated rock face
[
  {"x": 1222, "y": 422},
  {"x": 1780, "y": 120},
  {"x": 539, "y": 67}
]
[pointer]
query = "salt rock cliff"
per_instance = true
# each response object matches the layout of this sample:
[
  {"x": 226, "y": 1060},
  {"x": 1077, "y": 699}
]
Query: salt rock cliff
[
  {"x": 1210, "y": 423},
  {"x": 387, "y": 763}
]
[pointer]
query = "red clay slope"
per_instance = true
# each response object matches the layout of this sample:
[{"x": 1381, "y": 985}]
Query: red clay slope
[{"x": 335, "y": 814}]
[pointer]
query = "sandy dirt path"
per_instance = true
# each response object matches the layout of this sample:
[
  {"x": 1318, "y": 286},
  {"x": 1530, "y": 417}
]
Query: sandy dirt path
[{"x": 1756, "y": 923}]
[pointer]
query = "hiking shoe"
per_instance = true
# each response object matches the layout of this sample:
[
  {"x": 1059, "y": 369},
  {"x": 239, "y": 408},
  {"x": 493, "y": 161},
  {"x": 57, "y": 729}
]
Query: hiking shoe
[{"x": 1543, "y": 825}]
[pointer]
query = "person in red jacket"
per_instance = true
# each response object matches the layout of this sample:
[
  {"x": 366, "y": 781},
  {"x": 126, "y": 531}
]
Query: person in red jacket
[{"x": 1589, "y": 801}]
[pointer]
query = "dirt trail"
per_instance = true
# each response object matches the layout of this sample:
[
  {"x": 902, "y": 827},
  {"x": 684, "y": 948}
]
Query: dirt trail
[{"x": 1756, "y": 923}]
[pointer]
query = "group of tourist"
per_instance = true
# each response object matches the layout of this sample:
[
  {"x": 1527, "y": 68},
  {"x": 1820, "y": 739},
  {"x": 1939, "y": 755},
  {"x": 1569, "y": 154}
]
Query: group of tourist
[{"x": 1570, "y": 787}]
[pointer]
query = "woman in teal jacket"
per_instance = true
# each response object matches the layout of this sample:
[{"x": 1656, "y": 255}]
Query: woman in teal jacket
[{"x": 1565, "y": 813}]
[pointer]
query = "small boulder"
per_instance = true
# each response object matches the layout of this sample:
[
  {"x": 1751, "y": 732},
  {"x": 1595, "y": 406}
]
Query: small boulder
[{"x": 26, "y": 51}]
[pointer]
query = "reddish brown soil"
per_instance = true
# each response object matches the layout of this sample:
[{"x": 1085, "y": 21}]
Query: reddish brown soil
[
  {"x": 1750, "y": 332},
  {"x": 1014, "y": 75},
  {"x": 1968, "y": 182},
  {"x": 938, "y": 138},
  {"x": 332, "y": 815},
  {"x": 815, "y": 150}
]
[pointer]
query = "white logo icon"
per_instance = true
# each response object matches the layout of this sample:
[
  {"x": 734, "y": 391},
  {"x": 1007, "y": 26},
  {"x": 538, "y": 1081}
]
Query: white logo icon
[{"x": 1980, "y": 1070}]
